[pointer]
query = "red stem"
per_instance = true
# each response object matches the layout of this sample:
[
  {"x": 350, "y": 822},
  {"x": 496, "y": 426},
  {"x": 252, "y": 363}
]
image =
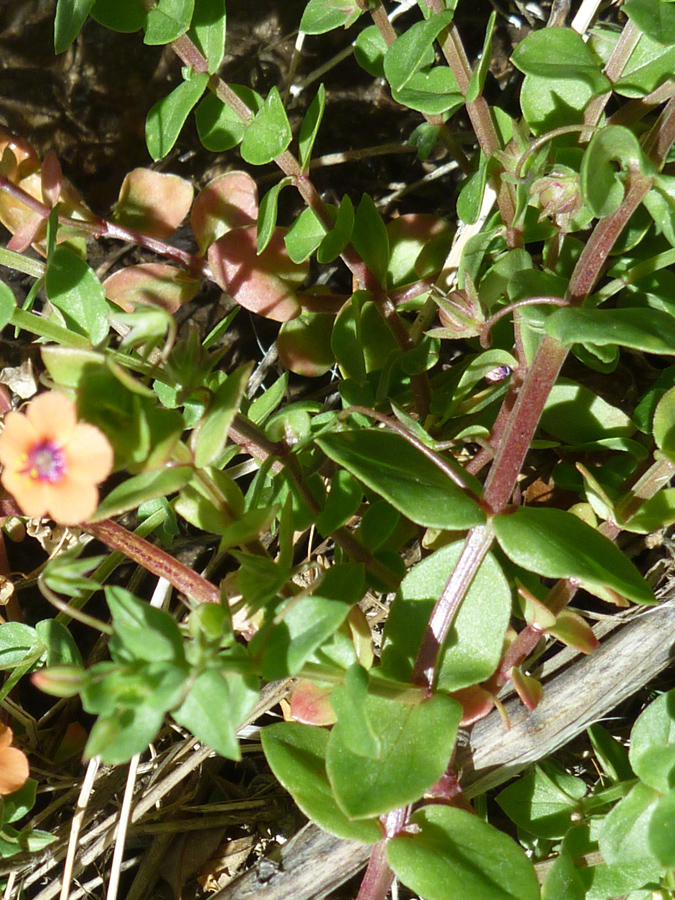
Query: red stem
[{"x": 155, "y": 560}]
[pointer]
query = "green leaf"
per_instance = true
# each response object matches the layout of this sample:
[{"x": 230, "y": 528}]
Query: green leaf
[
  {"x": 602, "y": 188},
  {"x": 167, "y": 117},
  {"x": 413, "y": 49},
  {"x": 17, "y": 643},
  {"x": 475, "y": 643},
  {"x": 456, "y": 854},
  {"x": 296, "y": 632},
  {"x": 233, "y": 695},
  {"x": 73, "y": 288},
  {"x": 269, "y": 134},
  {"x": 349, "y": 702},
  {"x": 661, "y": 830},
  {"x": 416, "y": 743},
  {"x": 663, "y": 424},
  {"x": 321, "y": 16},
  {"x": 69, "y": 19},
  {"x": 304, "y": 236},
  {"x": 167, "y": 20},
  {"x": 7, "y": 304},
  {"x": 219, "y": 127},
  {"x": 19, "y": 803},
  {"x": 208, "y": 31},
  {"x": 211, "y": 435},
  {"x": 655, "y": 513},
  {"x": 470, "y": 197},
  {"x": 624, "y": 838},
  {"x": 390, "y": 466},
  {"x": 549, "y": 103},
  {"x": 479, "y": 73},
  {"x": 560, "y": 54},
  {"x": 297, "y": 756},
  {"x": 118, "y": 737},
  {"x": 574, "y": 414},
  {"x": 145, "y": 632},
  {"x": 267, "y": 214},
  {"x": 264, "y": 405},
  {"x": 649, "y": 330},
  {"x": 370, "y": 238},
  {"x": 61, "y": 647},
  {"x": 310, "y": 127},
  {"x": 652, "y": 745},
  {"x": 556, "y": 544},
  {"x": 649, "y": 65},
  {"x": 563, "y": 881},
  {"x": 370, "y": 48},
  {"x": 336, "y": 240},
  {"x": 544, "y": 801},
  {"x": 344, "y": 499},
  {"x": 433, "y": 92},
  {"x": 141, "y": 488},
  {"x": 120, "y": 15},
  {"x": 653, "y": 17}
]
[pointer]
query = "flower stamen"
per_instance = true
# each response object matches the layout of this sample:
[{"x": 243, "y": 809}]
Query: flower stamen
[{"x": 45, "y": 461}]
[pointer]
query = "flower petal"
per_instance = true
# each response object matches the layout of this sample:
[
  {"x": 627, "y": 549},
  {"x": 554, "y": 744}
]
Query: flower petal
[
  {"x": 30, "y": 493},
  {"x": 14, "y": 770},
  {"x": 6, "y": 736},
  {"x": 16, "y": 440},
  {"x": 53, "y": 416},
  {"x": 70, "y": 501},
  {"x": 89, "y": 454}
]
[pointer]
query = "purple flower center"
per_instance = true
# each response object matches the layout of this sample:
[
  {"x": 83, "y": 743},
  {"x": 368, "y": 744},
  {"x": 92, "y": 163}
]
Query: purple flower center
[{"x": 45, "y": 462}]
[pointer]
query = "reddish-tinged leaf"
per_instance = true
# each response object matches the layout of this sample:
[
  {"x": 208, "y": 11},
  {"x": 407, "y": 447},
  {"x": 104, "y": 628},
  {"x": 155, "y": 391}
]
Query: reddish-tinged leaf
[
  {"x": 304, "y": 344},
  {"x": 262, "y": 284},
  {"x": 155, "y": 283},
  {"x": 52, "y": 179},
  {"x": 528, "y": 688},
  {"x": 310, "y": 704},
  {"x": 476, "y": 704},
  {"x": 574, "y": 631},
  {"x": 21, "y": 165},
  {"x": 31, "y": 229},
  {"x": 229, "y": 201},
  {"x": 153, "y": 203}
]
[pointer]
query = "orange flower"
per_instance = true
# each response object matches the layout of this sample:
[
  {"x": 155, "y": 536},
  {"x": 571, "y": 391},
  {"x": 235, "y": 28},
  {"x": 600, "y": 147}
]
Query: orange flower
[
  {"x": 13, "y": 764},
  {"x": 52, "y": 463}
]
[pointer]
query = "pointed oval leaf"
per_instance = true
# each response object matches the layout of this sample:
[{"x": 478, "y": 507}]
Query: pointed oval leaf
[
  {"x": 416, "y": 742},
  {"x": 624, "y": 837},
  {"x": 211, "y": 436},
  {"x": 652, "y": 746},
  {"x": 233, "y": 695},
  {"x": 208, "y": 29},
  {"x": 156, "y": 284},
  {"x": 141, "y": 488},
  {"x": 269, "y": 134},
  {"x": 390, "y": 466},
  {"x": 297, "y": 756},
  {"x": 310, "y": 127},
  {"x": 153, "y": 202},
  {"x": 228, "y": 201},
  {"x": 167, "y": 20},
  {"x": 69, "y": 19},
  {"x": 75, "y": 291},
  {"x": 262, "y": 284},
  {"x": 321, "y": 16},
  {"x": 167, "y": 117},
  {"x": 457, "y": 854},
  {"x": 556, "y": 544},
  {"x": 476, "y": 639},
  {"x": 219, "y": 126}
]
